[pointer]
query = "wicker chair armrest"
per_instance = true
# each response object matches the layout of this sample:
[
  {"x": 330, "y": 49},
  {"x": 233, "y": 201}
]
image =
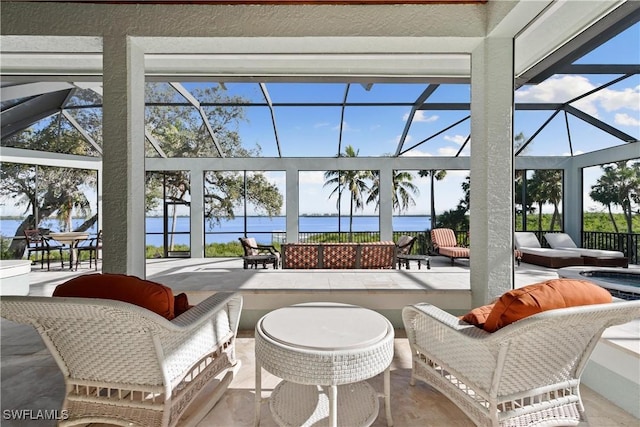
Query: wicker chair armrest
[
  {"x": 227, "y": 304},
  {"x": 467, "y": 351}
]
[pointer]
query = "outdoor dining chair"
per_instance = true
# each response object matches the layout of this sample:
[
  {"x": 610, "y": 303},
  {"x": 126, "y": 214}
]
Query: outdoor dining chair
[
  {"x": 39, "y": 243},
  {"x": 93, "y": 246}
]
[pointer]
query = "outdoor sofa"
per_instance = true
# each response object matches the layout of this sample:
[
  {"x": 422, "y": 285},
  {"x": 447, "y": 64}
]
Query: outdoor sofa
[{"x": 339, "y": 255}]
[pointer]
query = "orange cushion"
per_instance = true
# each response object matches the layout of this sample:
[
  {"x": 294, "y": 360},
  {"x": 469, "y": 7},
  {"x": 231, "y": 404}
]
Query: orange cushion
[
  {"x": 180, "y": 304},
  {"x": 552, "y": 294},
  {"x": 144, "y": 293},
  {"x": 478, "y": 316}
]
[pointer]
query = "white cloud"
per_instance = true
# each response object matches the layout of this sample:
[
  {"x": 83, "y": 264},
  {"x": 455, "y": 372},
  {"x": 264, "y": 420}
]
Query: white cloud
[
  {"x": 458, "y": 139},
  {"x": 420, "y": 116},
  {"x": 448, "y": 151},
  {"x": 561, "y": 89},
  {"x": 417, "y": 153},
  {"x": 311, "y": 177},
  {"x": 345, "y": 127},
  {"x": 565, "y": 88},
  {"x": 624, "y": 119},
  {"x": 613, "y": 100},
  {"x": 321, "y": 125}
]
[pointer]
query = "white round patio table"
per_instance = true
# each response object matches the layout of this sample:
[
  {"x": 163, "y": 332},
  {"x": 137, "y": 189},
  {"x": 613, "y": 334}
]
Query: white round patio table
[
  {"x": 324, "y": 352},
  {"x": 71, "y": 238}
]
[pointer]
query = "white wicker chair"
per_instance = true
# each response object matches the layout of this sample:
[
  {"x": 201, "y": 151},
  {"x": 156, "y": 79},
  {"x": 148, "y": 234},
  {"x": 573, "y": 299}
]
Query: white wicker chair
[
  {"x": 126, "y": 365},
  {"x": 527, "y": 373}
]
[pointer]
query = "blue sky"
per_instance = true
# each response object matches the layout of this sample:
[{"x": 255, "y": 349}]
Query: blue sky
[{"x": 375, "y": 131}]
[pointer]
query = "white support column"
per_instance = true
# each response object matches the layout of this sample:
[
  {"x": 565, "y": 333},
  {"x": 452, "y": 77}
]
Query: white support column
[
  {"x": 293, "y": 203},
  {"x": 197, "y": 213},
  {"x": 386, "y": 203},
  {"x": 491, "y": 192},
  {"x": 123, "y": 157},
  {"x": 572, "y": 203}
]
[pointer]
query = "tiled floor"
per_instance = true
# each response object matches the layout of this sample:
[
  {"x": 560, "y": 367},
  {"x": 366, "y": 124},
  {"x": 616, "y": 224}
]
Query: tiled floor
[{"x": 31, "y": 380}]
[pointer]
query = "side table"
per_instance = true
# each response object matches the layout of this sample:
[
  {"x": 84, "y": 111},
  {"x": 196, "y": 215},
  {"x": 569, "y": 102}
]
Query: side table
[
  {"x": 404, "y": 259},
  {"x": 324, "y": 352}
]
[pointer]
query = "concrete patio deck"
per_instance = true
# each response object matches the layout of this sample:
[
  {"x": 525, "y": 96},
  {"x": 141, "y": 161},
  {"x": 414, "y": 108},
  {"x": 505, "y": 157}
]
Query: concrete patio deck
[{"x": 31, "y": 380}]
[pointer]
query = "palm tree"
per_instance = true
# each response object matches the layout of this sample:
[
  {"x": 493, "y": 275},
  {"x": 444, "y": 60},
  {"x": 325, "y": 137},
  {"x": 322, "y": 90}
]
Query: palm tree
[
  {"x": 619, "y": 185},
  {"x": 403, "y": 190},
  {"x": 437, "y": 175},
  {"x": 546, "y": 187},
  {"x": 354, "y": 181}
]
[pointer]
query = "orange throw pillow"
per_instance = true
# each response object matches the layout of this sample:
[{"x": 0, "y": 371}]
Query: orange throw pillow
[
  {"x": 478, "y": 316},
  {"x": 180, "y": 304},
  {"x": 144, "y": 293},
  {"x": 533, "y": 299}
]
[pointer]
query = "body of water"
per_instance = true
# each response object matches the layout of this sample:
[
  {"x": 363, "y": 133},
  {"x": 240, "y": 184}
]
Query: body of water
[{"x": 264, "y": 228}]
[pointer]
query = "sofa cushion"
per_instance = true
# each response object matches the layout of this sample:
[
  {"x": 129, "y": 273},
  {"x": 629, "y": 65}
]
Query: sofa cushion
[
  {"x": 552, "y": 294},
  {"x": 144, "y": 293},
  {"x": 478, "y": 316}
]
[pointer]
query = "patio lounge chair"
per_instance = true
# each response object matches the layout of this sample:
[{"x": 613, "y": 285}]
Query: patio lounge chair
[
  {"x": 519, "y": 375},
  {"x": 255, "y": 254},
  {"x": 597, "y": 257},
  {"x": 533, "y": 253},
  {"x": 443, "y": 241},
  {"x": 125, "y": 364}
]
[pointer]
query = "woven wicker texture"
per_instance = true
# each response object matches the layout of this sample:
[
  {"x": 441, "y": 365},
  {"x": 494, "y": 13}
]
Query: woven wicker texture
[
  {"x": 125, "y": 364},
  {"x": 527, "y": 373},
  {"x": 297, "y": 405},
  {"x": 323, "y": 367}
]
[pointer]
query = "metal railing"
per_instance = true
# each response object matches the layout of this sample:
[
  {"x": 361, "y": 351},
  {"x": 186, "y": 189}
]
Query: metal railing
[{"x": 627, "y": 243}]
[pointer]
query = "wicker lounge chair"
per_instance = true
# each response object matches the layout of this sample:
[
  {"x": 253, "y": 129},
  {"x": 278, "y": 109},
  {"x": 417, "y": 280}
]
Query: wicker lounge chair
[
  {"x": 126, "y": 365},
  {"x": 597, "y": 257},
  {"x": 519, "y": 375},
  {"x": 533, "y": 253},
  {"x": 443, "y": 242}
]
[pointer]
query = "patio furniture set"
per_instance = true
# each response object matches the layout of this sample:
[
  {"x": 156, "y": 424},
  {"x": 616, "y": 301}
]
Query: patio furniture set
[
  {"x": 43, "y": 243},
  {"x": 133, "y": 353},
  {"x": 370, "y": 255},
  {"x": 564, "y": 252}
]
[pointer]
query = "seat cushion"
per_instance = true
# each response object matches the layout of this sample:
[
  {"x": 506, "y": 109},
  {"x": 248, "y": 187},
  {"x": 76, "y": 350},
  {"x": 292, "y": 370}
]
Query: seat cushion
[
  {"x": 144, "y": 293},
  {"x": 526, "y": 239},
  {"x": 533, "y": 299},
  {"x": 443, "y": 237},
  {"x": 559, "y": 240},
  {"x": 250, "y": 245}
]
